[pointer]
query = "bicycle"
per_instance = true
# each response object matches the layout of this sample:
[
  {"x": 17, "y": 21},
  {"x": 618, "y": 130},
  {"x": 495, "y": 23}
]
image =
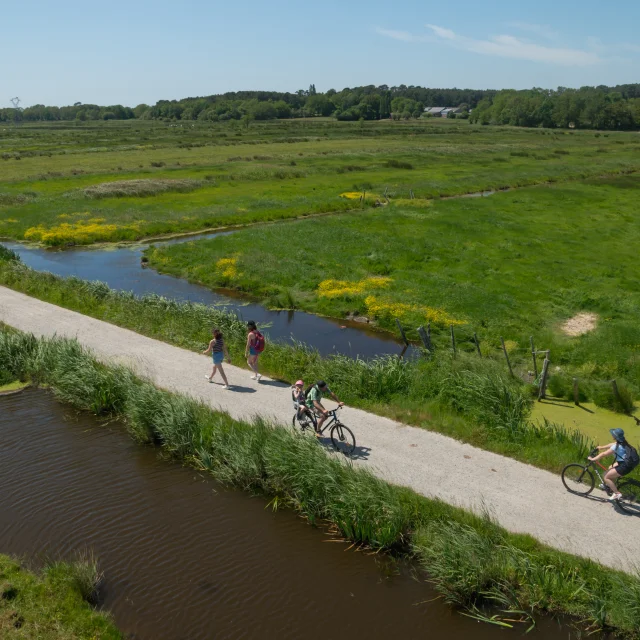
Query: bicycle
[
  {"x": 579, "y": 479},
  {"x": 342, "y": 437}
]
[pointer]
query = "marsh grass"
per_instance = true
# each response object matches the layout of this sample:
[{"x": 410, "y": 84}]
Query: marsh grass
[
  {"x": 54, "y": 603},
  {"x": 139, "y": 188},
  {"x": 469, "y": 559}
]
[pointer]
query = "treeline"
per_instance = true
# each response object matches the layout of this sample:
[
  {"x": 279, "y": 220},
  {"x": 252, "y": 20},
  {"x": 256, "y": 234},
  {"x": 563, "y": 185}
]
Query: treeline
[
  {"x": 608, "y": 108},
  {"x": 370, "y": 103},
  {"x": 589, "y": 107}
]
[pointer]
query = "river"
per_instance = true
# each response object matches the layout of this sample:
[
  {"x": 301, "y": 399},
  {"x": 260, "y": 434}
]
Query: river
[{"x": 120, "y": 268}]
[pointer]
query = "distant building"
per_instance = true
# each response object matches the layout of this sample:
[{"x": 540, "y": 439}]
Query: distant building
[{"x": 442, "y": 112}]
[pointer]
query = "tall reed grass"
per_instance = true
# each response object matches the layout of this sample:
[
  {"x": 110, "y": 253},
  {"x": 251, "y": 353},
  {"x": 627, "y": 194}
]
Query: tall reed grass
[{"x": 469, "y": 558}]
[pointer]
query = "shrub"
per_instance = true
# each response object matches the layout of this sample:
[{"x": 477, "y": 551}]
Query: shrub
[
  {"x": 397, "y": 164},
  {"x": 603, "y": 396}
]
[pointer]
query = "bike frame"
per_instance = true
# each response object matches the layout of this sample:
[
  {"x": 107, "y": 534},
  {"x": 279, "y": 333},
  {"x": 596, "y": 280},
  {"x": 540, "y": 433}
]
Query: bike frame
[{"x": 329, "y": 423}]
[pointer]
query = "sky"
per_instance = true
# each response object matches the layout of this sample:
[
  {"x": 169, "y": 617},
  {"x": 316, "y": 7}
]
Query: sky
[{"x": 138, "y": 51}]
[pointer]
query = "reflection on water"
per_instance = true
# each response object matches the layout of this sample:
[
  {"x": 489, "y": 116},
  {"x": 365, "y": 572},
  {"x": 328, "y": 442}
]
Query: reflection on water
[
  {"x": 185, "y": 558},
  {"x": 120, "y": 268}
]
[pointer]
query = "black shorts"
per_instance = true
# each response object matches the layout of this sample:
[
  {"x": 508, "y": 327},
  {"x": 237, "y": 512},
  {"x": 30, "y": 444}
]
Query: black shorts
[{"x": 623, "y": 469}]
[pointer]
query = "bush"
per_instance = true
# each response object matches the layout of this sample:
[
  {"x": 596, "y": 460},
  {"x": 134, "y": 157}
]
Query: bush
[
  {"x": 397, "y": 164},
  {"x": 602, "y": 394}
]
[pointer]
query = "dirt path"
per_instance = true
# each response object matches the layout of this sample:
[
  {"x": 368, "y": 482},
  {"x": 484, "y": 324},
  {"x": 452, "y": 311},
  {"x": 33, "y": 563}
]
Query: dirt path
[{"x": 521, "y": 497}]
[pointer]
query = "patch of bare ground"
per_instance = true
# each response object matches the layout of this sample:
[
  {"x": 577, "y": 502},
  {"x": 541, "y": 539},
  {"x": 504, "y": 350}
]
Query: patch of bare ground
[
  {"x": 580, "y": 324},
  {"x": 139, "y": 188}
]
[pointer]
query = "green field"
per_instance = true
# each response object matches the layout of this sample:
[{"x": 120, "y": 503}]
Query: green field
[
  {"x": 514, "y": 264},
  {"x": 56, "y": 183}
]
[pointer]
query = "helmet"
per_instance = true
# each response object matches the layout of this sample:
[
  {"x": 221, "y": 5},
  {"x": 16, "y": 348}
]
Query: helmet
[
  {"x": 299, "y": 383},
  {"x": 618, "y": 434}
]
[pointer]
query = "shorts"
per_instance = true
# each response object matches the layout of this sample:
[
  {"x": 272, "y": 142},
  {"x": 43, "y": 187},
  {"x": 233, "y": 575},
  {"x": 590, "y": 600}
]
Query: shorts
[
  {"x": 623, "y": 469},
  {"x": 253, "y": 352},
  {"x": 218, "y": 357}
]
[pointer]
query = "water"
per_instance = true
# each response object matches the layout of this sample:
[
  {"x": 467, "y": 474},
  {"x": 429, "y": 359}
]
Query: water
[
  {"x": 120, "y": 268},
  {"x": 185, "y": 558}
]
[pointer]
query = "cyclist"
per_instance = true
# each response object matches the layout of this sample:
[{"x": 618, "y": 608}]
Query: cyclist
[
  {"x": 626, "y": 460},
  {"x": 314, "y": 401}
]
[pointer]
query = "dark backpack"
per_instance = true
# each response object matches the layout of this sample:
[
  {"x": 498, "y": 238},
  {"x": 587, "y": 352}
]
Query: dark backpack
[
  {"x": 631, "y": 458},
  {"x": 258, "y": 345}
]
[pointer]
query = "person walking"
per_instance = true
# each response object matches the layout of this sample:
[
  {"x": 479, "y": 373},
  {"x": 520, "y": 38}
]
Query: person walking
[
  {"x": 253, "y": 349},
  {"x": 218, "y": 349}
]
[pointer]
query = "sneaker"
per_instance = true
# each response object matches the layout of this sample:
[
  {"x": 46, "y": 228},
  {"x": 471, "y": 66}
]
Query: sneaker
[
  {"x": 258, "y": 376},
  {"x": 615, "y": 497},
  {"x": 226, "y": 386},
  {"x": 254, "y": 377},
  {"x": 208, "y": 378}
]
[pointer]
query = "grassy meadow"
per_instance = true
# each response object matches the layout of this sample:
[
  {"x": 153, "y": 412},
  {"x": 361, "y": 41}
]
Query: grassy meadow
[
  {"x": 514, "y": 264},
  {"x": 66, "y": 183}
]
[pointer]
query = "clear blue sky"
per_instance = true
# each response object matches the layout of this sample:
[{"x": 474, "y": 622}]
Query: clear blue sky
[{"x": 136, "y": 51}]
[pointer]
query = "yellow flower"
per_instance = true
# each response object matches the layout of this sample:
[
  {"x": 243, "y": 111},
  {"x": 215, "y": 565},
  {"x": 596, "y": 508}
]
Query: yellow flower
[
  {"x": 390, "y": 310},
  {"x": 336, "y": 288},
  {"x": 228, "y": 267},
  {"x": 76, "y": 233}
]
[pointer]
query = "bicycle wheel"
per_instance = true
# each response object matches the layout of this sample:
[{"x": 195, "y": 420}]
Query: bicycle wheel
[
  {"x": 303, "y": 422},
  {"x": 578, "y": 479},
  {"x": 343, "y": 439},
  {"x": 630, "y": 490}
]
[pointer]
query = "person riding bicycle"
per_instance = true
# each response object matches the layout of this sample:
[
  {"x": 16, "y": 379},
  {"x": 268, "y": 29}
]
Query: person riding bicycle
[
  {"x": 626, "y": 460},
  {"x": 314, "y": 401}
]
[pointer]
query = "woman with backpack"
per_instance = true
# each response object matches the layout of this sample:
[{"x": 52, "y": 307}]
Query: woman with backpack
[
  {"x": 255, "y": 346},
  {"x": 626, "y": 460}
]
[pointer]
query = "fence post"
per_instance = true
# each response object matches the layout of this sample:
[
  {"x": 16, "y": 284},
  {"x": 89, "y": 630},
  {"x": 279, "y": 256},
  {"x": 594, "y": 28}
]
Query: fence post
[
  {"x": 475, "y": 339},
  {"x": 364, "y": 195},
  {"x": 543, "y": 382},
  {"x": 506, "y": 355},
  {"x": 402, "y": 333},
  {"x": 616, "y": 392},
  {"x": 576, "y": 393},
  {"x": 535, "y": 361},
  {"x": 429, "y": 335},
  {"x": 453, "y": 340},
  {"x": 425, "y": 338}
]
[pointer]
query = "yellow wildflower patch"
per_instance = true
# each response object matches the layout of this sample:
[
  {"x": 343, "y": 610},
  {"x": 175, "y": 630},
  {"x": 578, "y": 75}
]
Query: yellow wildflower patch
[
  {"x": 510, "y": 345},
  {"x": 77, "y": 233},
  {"x": 96, "y": 220},
  {"x": 8, "y": 221},
  {"x": 388, "y": 309},
  {"x": 64, "y": 216},
  {"x": 336, "y": 288},
  {"x": 356, "y": 195},
  {"x": 228, "y": 267}
]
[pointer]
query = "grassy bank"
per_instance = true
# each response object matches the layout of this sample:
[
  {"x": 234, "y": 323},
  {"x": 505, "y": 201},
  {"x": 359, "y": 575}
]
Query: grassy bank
[
  {"x": 469, "y": 559},
  {"x": 71, "y": 183},
  {"x": 468, "y": 398},
  {"x": 52, "y": 604}
]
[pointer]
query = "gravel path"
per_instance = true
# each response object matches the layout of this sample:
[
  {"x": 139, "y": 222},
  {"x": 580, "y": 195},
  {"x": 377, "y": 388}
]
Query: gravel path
[{"x": 520, "y": 497}]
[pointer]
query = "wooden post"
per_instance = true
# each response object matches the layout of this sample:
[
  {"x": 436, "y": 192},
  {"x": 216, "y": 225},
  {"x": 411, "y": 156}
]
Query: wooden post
[
  {"x": 506, "y": 355},
  {"x": 543, "y": 382},
  {"x": 453, "y": 340},
  {"x": 364, "y": 195},
  {"x": 535, "y": 361},
  {"x": 616, "y": 393},
  {"x": 475, "y": 339},
  {"x": 429, "y": 335},
  {"x": 402, "y": 333},
  {"x": 425, "y": 338},
  {"x": 576, "y": 393}
]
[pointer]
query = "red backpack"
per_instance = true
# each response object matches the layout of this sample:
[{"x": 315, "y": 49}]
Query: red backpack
[{"x": 258, "y": 344}]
